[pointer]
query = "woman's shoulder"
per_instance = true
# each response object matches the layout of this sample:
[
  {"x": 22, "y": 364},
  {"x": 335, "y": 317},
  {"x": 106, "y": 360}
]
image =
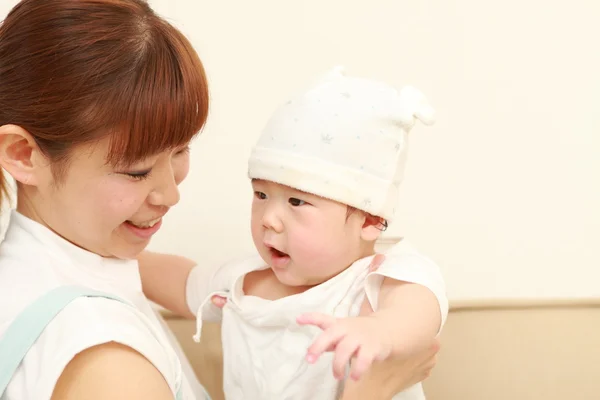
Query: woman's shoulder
[
  {"x": 86, "y": 326},
  {"x": 111, "y": 370}
]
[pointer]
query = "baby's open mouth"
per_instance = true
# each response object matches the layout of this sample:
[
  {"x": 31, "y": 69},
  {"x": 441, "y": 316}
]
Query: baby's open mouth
[
  {"x": 279, "y": 259},
  {"x": 278, "y": 253}
]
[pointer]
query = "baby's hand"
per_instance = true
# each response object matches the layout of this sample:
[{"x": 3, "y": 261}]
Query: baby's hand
[
  {"x": 218, "y": 301},
  {"x": 359, "y": 338},
  {"x": 349, "y": 337}
]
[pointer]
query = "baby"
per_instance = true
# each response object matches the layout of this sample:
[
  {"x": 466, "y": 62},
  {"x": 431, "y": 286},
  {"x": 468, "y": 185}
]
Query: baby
[{"x": 325, "y": 174}]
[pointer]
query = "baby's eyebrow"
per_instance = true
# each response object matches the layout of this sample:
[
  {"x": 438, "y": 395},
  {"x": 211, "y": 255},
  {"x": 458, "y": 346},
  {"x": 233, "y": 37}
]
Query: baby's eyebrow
[{"x": 302, "y": 193}]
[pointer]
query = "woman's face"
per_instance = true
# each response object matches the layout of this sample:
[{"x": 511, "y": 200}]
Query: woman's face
[{"x": 111, "y": 211}]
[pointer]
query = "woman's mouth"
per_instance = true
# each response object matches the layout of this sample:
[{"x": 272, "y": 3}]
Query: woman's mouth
[
  {"x": 144, "y": 229},
  {"x": 146, "y": 224}
]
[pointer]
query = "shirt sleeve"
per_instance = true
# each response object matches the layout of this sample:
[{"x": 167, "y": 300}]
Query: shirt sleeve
[
  {"x": 408, "y": 266},
  {"x": 204, "y": 282}
]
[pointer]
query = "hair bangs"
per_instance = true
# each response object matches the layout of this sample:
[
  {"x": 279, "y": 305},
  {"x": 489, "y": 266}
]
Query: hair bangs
[{"x": 165, "y": 104}]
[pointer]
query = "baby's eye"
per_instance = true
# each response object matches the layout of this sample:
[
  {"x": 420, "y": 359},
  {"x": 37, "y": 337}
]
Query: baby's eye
[
  {"x": 296, "y": 202},
  {"x": 260, "y": 195}
]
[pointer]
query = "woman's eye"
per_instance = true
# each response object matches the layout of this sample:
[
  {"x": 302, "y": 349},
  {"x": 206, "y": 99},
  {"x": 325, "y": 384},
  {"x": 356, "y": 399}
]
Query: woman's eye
[
  {"x": 296, "y": 202},
  {"x": 183, "y": 151},
  {"x": 260, "y": 195},
  {"x": 141, "y": 175}
]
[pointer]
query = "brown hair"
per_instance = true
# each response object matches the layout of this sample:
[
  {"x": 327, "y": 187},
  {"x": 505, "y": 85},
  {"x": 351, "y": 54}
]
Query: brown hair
[
  {"x": 378, "y": 222},
  {"x": 75, "y": 71}
]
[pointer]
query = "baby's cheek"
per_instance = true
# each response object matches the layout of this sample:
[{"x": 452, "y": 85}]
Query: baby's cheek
[
  {"x": 307, "y": 243},
  {"x": 318, "y": 251}
]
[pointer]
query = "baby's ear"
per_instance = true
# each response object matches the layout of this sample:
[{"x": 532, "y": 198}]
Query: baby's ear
[{"x": 372, "y": 227}]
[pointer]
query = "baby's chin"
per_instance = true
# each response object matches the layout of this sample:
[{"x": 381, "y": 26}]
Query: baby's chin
[{"x": 287, "y": 277}]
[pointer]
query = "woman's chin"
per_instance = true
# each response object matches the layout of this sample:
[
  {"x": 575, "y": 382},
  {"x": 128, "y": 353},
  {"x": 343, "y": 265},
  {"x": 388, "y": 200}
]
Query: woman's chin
[{"x": 126, "y": 250}]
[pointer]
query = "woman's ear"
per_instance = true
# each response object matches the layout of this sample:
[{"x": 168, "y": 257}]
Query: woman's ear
[
  {"x": 372, "y": 227},
  {"x": 19, "y": 154}
]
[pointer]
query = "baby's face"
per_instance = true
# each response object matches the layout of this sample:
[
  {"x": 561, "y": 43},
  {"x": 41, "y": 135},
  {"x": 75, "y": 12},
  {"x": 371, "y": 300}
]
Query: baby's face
[{"x": 305, "y": 239}]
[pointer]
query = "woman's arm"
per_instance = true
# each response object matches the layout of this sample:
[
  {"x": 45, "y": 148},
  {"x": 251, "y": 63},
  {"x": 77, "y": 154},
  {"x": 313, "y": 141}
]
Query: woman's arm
[
  {"x": 111, "y": 371},
  {"x": 180, "y": 285},
  {"x": 164, "y": 278}
]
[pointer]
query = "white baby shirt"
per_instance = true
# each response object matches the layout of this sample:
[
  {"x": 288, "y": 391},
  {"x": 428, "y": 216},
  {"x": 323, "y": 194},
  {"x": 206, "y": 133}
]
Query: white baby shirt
[{"x": 264, "y": 349}]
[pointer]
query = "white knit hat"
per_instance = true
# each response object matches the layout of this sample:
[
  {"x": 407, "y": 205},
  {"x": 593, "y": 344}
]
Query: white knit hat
[{"x": 344, "y": 139}]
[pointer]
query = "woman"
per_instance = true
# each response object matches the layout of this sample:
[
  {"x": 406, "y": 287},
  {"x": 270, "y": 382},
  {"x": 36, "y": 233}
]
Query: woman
[{"x": 99, "y": 100}]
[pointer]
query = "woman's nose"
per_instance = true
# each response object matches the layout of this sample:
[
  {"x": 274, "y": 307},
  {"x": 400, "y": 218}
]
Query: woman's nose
[{"x": 166, "y": 192}]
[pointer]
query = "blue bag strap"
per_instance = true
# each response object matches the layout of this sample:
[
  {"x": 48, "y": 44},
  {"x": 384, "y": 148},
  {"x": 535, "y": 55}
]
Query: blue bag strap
[{"x": 31, "y": 322}]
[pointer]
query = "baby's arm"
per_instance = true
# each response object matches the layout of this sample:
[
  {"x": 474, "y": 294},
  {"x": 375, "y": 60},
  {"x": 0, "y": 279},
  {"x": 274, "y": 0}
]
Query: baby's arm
[
  {"x": 408, "y": 296},
  {"x": 409, "y": 312},
  {"x": 410, "y": 287}
]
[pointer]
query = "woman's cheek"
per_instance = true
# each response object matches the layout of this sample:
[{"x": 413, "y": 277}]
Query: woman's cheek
[
  {"x": 126, "y": 198},
  {"x": 181, "y": 168}
]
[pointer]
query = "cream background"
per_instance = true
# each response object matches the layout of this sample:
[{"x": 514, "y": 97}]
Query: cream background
[{"x": 502, "y": 192}]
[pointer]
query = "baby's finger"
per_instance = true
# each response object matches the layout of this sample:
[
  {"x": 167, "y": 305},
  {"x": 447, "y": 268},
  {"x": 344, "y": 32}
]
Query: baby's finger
[
  {"x": 361, "y": 363},
  {"x": 317, "y": 319},
  {"x": 218, "y": 301},
  {"x": 382, "y": 354},
  {"x": 327, "y": 341},
  {"x": 376, "y": 262},
  {"x": 343, "y": 353}
]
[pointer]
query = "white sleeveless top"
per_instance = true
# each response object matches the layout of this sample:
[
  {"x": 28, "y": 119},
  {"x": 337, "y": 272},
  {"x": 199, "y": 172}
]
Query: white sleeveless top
[
  {"x": 33, "y": 261},
  {"x": 264, "y": 348}
]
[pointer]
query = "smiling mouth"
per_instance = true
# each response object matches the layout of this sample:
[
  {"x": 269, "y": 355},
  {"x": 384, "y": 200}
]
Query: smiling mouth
[{"x": 146, "y": 224}]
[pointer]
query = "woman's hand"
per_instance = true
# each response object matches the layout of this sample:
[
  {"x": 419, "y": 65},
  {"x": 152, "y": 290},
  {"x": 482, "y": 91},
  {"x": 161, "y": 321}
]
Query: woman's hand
[{"x": 386, "y": 378}]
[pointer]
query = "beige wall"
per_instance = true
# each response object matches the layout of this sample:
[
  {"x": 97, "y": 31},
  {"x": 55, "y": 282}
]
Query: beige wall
[{"x": 503, "y": 191}]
